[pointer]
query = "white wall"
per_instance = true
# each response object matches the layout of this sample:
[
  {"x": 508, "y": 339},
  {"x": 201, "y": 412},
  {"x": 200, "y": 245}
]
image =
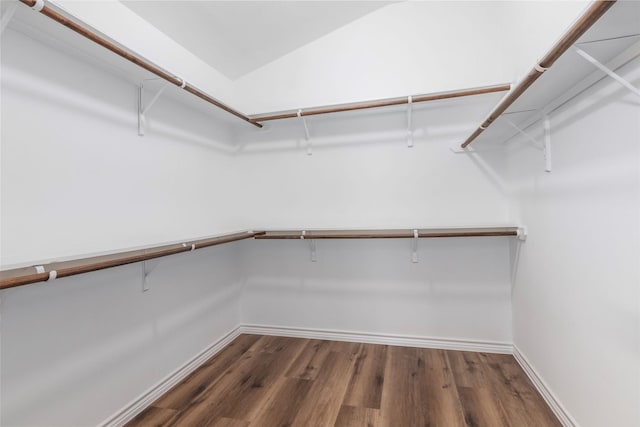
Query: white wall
[
  {"x": 77, "y": 178},
  {"x": 76, "y": 351},
  {"x": 410, "y": 47},
  {"x": 362, "y": 174},
  {"x": 459, "y": 289},
  {"x": 576, "y": 299}
]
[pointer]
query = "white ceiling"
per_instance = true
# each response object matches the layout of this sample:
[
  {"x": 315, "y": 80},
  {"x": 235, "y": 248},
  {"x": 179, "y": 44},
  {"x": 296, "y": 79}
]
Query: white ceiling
[{"x": 236, "y": 37}]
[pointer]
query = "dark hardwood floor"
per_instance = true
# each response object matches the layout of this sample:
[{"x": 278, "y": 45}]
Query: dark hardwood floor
[{"x": 268, "y": 381}]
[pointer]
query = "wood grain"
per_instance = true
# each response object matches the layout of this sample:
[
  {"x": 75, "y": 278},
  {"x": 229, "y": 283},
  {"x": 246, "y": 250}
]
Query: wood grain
[{"x": 278, "y": 381}]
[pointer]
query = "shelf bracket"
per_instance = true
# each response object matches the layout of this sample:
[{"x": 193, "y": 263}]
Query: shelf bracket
[
  {"x": 531, "y": 139},
  {"x": 306, "y": 133},
  {"x": 7, "y": 15},
  {"x": 409, "y": 127},
  {"x": 312, "y": 246},
  {"x": 145, "y": 275},
  {"x": 414, "y": 253},
  {"x": 547, "y": 144},
  {"x": 607, "y": 70},
  {"x": 142, "y": 109},
  {"x": 546, "y": 147}
]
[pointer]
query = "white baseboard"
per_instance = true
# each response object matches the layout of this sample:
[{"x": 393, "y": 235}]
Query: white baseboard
[
  {"x": 135, "y": 407},
  {"x": 386, "y": 339},
  {"x": 563, "y": 415}
]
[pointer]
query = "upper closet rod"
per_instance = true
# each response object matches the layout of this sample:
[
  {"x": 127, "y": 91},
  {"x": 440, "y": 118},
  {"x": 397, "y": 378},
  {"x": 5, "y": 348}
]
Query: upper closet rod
[
  {"x": 382, "y": 103},
  {"x": 42, "y": 7},
  {"x": 591, "y": 15}
]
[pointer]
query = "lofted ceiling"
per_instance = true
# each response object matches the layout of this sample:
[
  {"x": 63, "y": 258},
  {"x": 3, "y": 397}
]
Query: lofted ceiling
[{"x": 237, "y": 37}]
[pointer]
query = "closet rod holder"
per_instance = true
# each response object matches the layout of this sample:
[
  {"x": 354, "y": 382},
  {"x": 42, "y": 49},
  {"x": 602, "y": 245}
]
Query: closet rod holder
[
  {"x": 43, "y": 7},
  {"x": 591, "y": 15}
]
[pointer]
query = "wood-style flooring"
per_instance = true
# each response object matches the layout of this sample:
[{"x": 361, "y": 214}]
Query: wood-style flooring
[{"x": 264, "y": 381}]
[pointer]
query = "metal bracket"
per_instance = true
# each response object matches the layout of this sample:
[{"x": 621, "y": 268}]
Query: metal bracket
[
  {"x": 607, "y": 70},
  {"x": 534, "y": 141},
  {"x": 409, "y": 128},
  {"x": 7, "y": 15},
  {"x": 312, "y": 246},
  {"x": 414, "y": 253},
  {"x": 145, "y": 274},
  {"x": 143, "y": 110},
  {"x": 547, "y": 144},
  {"x": 306, "y": 133},
  {"x": 546, "y": 147}
]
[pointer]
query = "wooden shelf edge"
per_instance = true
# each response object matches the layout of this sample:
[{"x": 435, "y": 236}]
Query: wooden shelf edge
[{"x": 28, "y": 275}]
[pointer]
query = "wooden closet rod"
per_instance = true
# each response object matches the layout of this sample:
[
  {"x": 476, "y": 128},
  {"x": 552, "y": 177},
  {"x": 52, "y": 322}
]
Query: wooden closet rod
[
  {"x": 391, "y": 234},
  {"x": 42, "y": 7},
  {"x": 591, "y": 15},
  {"x": 42, "y": 273},
  {"x": 381, "y": 103}
]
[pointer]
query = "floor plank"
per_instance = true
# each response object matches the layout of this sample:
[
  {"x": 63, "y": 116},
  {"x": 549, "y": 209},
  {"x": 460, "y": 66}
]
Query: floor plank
[
  {"x": 264, "y": 381},
  {"x": 351, "y": 416},
  {"x": 326, "y": 392},
  {"x": 197, "y": 384},
  {"x": 365, "y": 386},
  {"x": 307, "y": 365},
  {"x": 152, "y": 416}
]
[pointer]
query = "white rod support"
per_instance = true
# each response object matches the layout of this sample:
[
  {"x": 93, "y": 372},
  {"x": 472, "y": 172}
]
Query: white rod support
[
  {"x": 153, "y": 100},
  {"x": 7, "y": 15},
  {"x": 38, "y": 6},
  {"x": 145, "y": 274},
  {"x": 312, "y": 246},
  {"x": 141, "y": 118},
  {"x": 523, "y": 133},
  {"x": 414, "y": 254},
  {"x": 409, "y": 127},
  {"x": 306, "y": 133},
  {"x": 608, "y": 71},
  {"x": 547, "y": 144},
  {"x": 522, "y": 233},
  {"x": 142, "y": 110}
]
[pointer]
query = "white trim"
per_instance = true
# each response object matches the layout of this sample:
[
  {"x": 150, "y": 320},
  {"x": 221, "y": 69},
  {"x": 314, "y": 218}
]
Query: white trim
[
  {"x": 136, "y": 406},
  {"x": 554, "y": 403},
  {"x": 385, "y": 339}
]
